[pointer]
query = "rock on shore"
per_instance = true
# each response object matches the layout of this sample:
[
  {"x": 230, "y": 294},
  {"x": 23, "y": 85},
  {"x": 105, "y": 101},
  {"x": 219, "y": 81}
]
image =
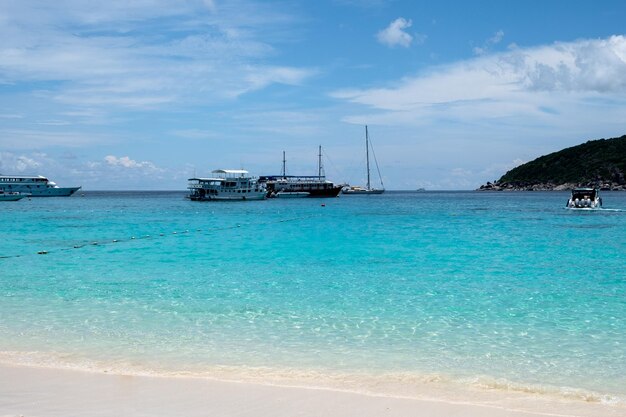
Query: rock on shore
[{"x": 548, "y": 186}]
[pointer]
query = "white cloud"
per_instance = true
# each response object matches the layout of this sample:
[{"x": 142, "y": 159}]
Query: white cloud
[
  {"x": 494, "y": 40},
  {"x": 38, "y": 138},
  {"x": 395, "y": 35},
  {"x": 278, "y": 75},
  {"x": 508, "y": 84},
  {"x": 11, "y": 163},
  {"x": 107, "y": 173},
  {"x": 126, "y": 162},
  {"x": 106, "y": 54},
  {"x": 195, "y": 134}
]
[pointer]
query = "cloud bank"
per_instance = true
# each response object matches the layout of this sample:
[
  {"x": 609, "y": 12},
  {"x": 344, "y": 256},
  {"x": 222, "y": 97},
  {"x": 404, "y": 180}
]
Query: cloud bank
[
  {"x": 539, "y": 82},
  {"x": 142, "y": 55}
]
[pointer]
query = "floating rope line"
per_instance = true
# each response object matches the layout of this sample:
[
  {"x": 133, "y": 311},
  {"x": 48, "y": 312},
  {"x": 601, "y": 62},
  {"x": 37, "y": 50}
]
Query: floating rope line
[{"x": 160, "y": 235}]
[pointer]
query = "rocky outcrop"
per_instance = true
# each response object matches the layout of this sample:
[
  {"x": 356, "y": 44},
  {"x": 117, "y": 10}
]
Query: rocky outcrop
[{"x": 508, "y": 186}]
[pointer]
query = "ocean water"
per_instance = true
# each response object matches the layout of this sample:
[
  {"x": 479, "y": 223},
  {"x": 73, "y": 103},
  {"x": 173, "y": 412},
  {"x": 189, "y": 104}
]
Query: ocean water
[{"x": 492, "y": 290}]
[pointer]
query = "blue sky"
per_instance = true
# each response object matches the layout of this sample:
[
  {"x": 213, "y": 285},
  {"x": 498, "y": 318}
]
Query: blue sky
[{"x": 143, "y": 94}]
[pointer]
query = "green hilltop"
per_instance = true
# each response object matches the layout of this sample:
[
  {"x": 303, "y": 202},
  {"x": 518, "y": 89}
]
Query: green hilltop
[{"x": 596, "y": 163}]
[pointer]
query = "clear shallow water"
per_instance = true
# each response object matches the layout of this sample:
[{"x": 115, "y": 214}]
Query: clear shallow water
[{"x": 496, "y": 286}]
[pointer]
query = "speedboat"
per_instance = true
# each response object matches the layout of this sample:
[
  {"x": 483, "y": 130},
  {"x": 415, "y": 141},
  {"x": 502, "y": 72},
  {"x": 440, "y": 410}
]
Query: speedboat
[
  {"x": 585, "y": 198},
  {"x": 11, "y": 196}
]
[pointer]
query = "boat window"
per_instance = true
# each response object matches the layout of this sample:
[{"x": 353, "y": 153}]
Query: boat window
[{"x": 584, "y": 194}]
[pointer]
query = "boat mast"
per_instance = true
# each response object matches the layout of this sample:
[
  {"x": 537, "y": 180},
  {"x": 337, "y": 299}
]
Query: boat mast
[
  {"x": 319, "y": 164},
  {"x": 367, "y": 157},
  {"x": 284, "y": 170}
]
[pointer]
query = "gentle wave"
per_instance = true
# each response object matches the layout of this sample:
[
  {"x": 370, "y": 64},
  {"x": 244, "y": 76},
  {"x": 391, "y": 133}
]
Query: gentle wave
[
  {"x": 568, "y": 393},
  {"x": 434, "y": 387}
]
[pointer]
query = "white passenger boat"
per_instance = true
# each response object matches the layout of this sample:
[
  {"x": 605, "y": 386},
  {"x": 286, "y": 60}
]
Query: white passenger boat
[
  {"x": 11, "y": 196},
  {"x": 585, "y": 198},
  {"x": 35, "y": 186},
  {"x": 228, "y": 184}
]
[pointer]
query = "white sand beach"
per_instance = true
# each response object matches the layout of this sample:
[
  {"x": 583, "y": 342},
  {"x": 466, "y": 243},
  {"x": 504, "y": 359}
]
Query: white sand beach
[{"x": 44, "y": 392}]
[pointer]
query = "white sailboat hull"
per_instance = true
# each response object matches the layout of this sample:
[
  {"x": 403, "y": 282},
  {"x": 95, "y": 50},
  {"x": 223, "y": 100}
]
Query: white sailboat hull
[{"x": 364, "y": 191}]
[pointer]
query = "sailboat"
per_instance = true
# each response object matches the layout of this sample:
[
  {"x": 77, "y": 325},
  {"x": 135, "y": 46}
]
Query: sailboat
[{"x": 368, "y": 188}]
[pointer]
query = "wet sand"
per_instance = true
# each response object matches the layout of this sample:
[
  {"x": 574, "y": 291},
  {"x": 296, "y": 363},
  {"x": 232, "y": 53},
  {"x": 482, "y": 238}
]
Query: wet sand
[{"x": 44, "y": 392}]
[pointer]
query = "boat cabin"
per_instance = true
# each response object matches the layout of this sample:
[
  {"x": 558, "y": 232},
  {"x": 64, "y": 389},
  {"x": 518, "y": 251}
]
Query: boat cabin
[{"x": 228, "y": 184}]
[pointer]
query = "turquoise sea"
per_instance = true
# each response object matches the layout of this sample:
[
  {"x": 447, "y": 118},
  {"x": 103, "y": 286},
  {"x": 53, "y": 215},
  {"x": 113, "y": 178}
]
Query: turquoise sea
[{"x": 500, "y": 290}]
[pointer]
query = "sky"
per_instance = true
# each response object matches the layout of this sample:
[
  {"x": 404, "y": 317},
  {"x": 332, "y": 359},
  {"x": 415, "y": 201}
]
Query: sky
[{"x": 144, "y": 94}]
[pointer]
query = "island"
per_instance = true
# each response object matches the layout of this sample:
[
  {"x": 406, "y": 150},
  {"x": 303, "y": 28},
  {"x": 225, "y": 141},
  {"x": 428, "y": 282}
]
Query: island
[{"x": 597, "y": 163}]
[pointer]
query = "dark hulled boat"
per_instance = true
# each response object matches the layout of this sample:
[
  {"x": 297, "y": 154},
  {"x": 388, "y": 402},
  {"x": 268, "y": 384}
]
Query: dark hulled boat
[
  {"x": 296, "y": 186},
  {"x": 299, "y": 186}
]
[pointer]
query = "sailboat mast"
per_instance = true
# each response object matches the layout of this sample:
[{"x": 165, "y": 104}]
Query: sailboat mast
[
  {"x": 367, "y": 156},
  {"x": 284, "y": 164},
  {"x": 319, "y": 164}
]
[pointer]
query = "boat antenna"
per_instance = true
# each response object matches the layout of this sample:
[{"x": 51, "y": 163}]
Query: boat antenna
[{"x": 367, "y": 156}]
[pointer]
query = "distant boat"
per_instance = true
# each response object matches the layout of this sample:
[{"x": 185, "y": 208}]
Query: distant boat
[
  {"x": 585, "y": 198},
  {"x": 299, "y": 186},
  {"x": 35, "y": 186},
  {"x": 11, "y": 196},
  {"x": 228, "y": 184},
  {"x": 368, "y": 188}
]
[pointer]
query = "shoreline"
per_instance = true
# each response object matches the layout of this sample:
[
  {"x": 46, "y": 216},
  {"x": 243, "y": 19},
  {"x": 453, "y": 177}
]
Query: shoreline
[
  {"x": 548, "y": 186},
  {"x": 46, "y": 391},
  {"x": 404, "y": 384}
]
